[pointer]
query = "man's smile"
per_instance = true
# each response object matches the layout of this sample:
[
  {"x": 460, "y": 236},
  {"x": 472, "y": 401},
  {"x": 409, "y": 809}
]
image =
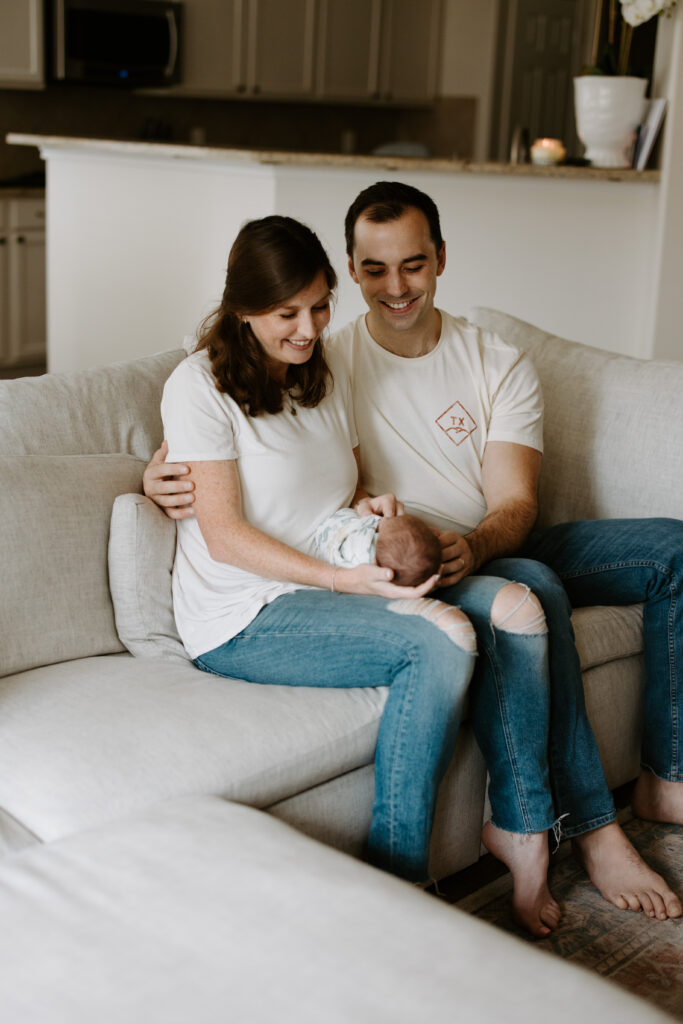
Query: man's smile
[{"x": 399, "y": 305}]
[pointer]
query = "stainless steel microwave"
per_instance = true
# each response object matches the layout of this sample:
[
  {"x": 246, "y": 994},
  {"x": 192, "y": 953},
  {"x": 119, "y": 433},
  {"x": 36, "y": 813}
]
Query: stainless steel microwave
[{"x": 117, "y": 42}]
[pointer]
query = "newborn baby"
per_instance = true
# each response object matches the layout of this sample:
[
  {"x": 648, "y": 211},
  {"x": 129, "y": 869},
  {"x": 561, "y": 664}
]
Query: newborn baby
[{"x": 402, "y": 543}]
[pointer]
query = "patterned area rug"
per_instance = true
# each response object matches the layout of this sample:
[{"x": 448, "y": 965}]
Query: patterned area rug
[{"x": 642, "y": 955}]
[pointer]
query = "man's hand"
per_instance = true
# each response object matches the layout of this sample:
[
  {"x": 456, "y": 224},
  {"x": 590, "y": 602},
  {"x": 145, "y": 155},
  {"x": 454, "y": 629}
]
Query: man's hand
[
  {"x": 386, "y": 505},
  {"x": 457, "y": 558},
  {"x": 163, "y": 483}
]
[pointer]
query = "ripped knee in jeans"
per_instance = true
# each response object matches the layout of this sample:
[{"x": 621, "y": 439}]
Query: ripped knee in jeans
[
  {"x": 516, "y": 609},
  {"x": 453, "y": 622}
]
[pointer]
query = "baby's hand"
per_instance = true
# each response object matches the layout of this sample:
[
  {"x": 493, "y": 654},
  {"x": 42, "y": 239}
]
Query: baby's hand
[{"x": 386, "y": 505}]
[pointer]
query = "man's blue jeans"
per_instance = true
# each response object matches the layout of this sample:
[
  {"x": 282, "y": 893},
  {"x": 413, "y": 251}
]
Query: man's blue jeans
[
  {"x": 532, "y": 727},
  {"x": 621, "y": 562}
]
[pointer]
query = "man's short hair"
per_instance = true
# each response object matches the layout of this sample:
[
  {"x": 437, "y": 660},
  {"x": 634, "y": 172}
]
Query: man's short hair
[{"x": 388, "y": 200}]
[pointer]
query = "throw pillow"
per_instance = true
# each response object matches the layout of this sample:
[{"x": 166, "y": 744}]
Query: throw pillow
[{"x": 141, "y": 552}]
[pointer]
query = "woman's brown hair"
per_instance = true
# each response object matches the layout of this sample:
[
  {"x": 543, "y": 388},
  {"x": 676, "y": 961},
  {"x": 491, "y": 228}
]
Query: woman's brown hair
[{"x": 271, "y": 260}]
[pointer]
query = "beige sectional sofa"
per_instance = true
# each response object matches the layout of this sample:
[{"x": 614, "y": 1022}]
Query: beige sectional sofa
[
  {"x": 90, "y": 734},
  {"x": 199, "y": 911},
  {"x": 101, "y": 751}
]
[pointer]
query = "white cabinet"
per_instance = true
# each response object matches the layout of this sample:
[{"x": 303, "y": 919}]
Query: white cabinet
[
  {"x": 22, "y": 282},
  {"x": 409, "y": 57},
  {"x": 21, "y": 44},
  {"x": 324, "y": 50},
  {"x": 249, "y": 48},
  {"x": 280, "y": 55},
  {"x": 213, "y": 57},
  {"x": 348, "y": 47}
]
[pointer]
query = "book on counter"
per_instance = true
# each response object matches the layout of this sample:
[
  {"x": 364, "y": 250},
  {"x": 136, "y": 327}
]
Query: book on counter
[{"x": 648, "y": 132}]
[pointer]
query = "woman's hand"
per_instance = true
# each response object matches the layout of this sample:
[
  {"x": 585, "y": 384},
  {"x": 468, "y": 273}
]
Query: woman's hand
[
  {"x": 163, "y": 483},
  {"x": 376, "y": 581},
  {"x": 386, "y": 505}
]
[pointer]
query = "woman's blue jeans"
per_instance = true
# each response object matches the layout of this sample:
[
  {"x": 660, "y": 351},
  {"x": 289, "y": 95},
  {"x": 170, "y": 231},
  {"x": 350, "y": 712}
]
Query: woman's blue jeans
[
  {"x": 317, "y": 638},
  {"x": 621, "y": 562}
]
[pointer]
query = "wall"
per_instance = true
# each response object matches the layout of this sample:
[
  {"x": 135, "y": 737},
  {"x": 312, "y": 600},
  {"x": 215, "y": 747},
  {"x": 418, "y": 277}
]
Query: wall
[
  {"x": 667, "y": 315},
  {"x": 467, "y": 63}
]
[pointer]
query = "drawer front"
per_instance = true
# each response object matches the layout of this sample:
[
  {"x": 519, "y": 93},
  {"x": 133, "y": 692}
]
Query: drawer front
[{"x": 26, "y": 213}]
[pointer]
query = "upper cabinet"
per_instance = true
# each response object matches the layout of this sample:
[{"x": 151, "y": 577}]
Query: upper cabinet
[
  {"x": 327, "y": 50},
  {"x": 213, "y": 59},
  {"x": 21, "y": 44},
  {"x": 410, "y": 50},
  {"x": 347, "y": 49},
  {"x": 280, "y": 47}
]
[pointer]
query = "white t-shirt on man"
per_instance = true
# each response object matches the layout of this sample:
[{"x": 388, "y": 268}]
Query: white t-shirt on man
[
  {"x": 423, "y": 423},
  {"x": 294, "y": 470}
]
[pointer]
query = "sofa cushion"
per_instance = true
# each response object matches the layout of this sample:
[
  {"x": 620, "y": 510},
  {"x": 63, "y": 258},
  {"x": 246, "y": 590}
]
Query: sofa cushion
[
  {"x": 613, "y": 427},
  {"x": 204, "y": 911},
  {"x": 54, "y": 589},
  {"x": 94, "y": 739},
  {"x": 604, "y": 633},
  {"x": 141, "y": 552},
  {"x": 106, "y": 409}
]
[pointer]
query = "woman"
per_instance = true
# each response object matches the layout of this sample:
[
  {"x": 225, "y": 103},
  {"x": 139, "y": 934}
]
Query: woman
[{"x": 268, "y": 433}]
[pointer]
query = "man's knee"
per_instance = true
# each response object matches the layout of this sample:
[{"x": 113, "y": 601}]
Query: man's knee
[
  {"x": 516, "y": 610},
  {"x": 453, "y": 622}
]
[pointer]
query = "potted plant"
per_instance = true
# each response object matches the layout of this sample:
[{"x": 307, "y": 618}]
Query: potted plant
[{"x": 609, "y": 103}]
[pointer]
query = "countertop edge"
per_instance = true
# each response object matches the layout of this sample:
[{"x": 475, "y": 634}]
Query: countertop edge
[{"x": 178, "y": 151}]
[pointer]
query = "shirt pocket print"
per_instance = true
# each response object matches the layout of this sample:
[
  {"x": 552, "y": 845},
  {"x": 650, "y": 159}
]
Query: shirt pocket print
[{"x": 456, "y": 423}]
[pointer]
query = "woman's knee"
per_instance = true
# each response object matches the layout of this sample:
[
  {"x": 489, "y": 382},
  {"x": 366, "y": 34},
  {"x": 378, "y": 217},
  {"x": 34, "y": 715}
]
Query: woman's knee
[
  {"x": 516, "y": 609},
  {"x": 450, "y": 620}
]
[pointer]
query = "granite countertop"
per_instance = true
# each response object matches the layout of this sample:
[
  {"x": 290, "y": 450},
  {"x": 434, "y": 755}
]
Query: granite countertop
[{"x": 177, "y": 151}]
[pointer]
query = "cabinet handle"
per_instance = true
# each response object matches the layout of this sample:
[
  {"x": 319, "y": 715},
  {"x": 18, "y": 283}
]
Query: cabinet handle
[
  {"x": 20, "y": 239},
  {"x": 241, "y": 87},
  {"x": 3, "y": 241},
  {"x": 256, "y": 90}
]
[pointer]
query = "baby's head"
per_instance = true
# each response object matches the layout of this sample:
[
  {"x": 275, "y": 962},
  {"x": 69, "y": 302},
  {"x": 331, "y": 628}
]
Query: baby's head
[{"x": 407, "y": 545}]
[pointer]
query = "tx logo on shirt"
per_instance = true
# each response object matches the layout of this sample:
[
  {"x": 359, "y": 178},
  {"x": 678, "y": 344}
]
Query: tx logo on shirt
[{"x": 456, "y": 423}]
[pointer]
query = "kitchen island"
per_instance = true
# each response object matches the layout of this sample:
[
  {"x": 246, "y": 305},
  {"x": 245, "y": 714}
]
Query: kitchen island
[{"x": 138, "y": 236}]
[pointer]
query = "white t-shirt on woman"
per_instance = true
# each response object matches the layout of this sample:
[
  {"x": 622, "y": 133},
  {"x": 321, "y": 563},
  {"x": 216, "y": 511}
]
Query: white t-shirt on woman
[{"x": 294, "y": 470}]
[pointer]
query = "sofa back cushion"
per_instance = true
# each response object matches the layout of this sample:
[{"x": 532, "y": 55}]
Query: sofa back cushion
[
  {"x": 54, "y": 588},
  {"x": 613, "y": 427},
  {"x": 106, "y": 409},
  {"x": 56, "y": 501}
]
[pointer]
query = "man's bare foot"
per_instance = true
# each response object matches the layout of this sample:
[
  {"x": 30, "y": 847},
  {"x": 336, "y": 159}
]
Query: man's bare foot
[
  {"x": 657, "y": 800},
  {"x": 622, "y": 876},
  {"x": 526, "y": 857}
]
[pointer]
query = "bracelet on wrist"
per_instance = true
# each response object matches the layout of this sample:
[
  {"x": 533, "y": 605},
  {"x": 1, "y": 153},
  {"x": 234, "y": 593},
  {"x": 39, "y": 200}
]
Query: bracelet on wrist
[{"x": 334, "y": 573}]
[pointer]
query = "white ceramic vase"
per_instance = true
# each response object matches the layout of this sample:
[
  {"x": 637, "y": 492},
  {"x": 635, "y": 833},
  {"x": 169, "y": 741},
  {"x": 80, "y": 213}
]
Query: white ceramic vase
[{"x": 609, "y": 108}]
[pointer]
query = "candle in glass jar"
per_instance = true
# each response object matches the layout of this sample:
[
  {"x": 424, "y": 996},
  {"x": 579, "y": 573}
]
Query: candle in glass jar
[{"x": 547, "y": 151}]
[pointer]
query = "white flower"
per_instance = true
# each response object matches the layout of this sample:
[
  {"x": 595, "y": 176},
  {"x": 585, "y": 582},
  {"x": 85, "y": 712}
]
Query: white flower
[{"x": 636, "y": 12}]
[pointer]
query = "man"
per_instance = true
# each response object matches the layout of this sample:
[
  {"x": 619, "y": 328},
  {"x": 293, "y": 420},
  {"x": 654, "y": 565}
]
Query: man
[{"x": 448, "y": 418}]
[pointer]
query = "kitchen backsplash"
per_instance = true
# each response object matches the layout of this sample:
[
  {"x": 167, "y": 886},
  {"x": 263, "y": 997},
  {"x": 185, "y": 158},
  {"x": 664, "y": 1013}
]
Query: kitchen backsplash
[{"x": 446, "y": 128}]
